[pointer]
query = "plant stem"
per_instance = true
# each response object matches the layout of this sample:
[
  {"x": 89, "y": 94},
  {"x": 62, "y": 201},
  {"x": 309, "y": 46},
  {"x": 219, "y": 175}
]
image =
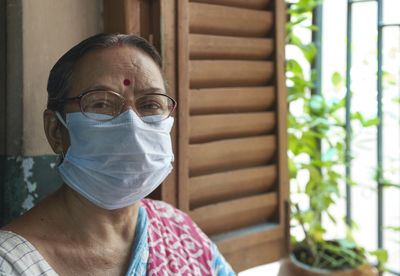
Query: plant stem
[{"x": 309, "y": 241}]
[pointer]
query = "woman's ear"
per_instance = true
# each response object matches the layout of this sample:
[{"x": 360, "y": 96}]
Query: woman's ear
[{"x": 54, "y": 131}]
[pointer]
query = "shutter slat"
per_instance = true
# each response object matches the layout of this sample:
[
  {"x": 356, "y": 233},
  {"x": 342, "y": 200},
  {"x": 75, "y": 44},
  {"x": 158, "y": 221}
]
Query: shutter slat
[
  {"x": 225, "y": 47},
  {"x": 228, "y": 73},
  {"x": 262, "y": 253},
  {"x": 230, "y": 154},
  {"x": 235, "y": 214},
  {"x": 222, "y": 20},
  {"x": 224, "y": 186},
  {"x": 249, "y": 4},
  {"x": 213, "y": 127},
  {"x": 241, "y": 242},
  {"x": 235, "y": 99},
  {"x": 248, "y": 236}
]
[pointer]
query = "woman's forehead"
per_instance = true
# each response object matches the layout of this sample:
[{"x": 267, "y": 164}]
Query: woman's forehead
[{"x": 113, "y": 66}]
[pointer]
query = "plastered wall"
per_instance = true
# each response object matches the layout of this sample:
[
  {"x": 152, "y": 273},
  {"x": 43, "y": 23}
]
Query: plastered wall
[
  {"x": 35, "y": 34},
  {"x": 49, "y": 29}
]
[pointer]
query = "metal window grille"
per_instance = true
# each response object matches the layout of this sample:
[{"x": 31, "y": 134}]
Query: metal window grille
[{"x": 381, "y": 183}]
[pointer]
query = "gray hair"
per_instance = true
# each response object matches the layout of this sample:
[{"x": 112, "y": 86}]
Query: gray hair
[{"x": 60, "y": 78}]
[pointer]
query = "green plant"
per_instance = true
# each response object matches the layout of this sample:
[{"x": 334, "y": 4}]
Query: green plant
[{"x": 314, "y": 121}]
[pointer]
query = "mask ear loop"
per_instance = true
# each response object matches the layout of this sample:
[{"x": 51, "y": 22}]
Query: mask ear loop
[
  {"x": 61, "y": 156},
  {"x": 60, "y": 118}
]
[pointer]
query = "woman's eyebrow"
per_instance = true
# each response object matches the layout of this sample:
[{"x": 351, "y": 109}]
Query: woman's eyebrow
[
  {"x": 150, "y": 90},
  {"x": 98, "y": 87}
]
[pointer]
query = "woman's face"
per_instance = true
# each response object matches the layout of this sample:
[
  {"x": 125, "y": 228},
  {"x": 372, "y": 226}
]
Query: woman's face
[{"x": 125, "y": 70}]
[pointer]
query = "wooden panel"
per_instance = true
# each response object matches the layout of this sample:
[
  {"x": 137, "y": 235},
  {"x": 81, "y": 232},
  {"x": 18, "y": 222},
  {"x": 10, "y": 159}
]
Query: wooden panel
[
  {"x": 226, "y": 47},
  {"x": 238, "y": 242},
  {"x": 169, "y": 188},
  {"x": 222, "y": 20},
  {"x": 258, "y": 254},
  {"x": 245, "y": 237},
  {"x": 249, "y": 4},
  {"x": 224, "y": 186},
  {"x": 145, "y": 18},
  {"x": 203, "y": 128},
  {"x": 228, "y": 73},
  {"x": 183, "y": 110},
  {"x": 280, "y": 19},
  {"x": 235, "y": 99},
  {"x": 234, "y": 214},
  {"x": 122, "y": 16},
  {"x": 114, "y": 21},
  {"x": 230, "y": 154}
]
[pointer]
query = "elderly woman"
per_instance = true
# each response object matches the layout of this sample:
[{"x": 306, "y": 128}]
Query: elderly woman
[{"x": 108, "y": 116}]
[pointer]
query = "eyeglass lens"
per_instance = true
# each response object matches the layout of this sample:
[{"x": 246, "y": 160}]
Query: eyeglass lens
[{"x": 150, "y": 108}]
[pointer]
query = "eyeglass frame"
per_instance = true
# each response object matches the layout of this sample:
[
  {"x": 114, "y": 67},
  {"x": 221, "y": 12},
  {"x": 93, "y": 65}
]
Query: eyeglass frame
[{"x": 79, "y": 98}]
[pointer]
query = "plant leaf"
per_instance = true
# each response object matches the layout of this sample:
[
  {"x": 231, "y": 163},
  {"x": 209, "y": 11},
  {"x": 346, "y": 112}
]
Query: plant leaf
[
  {"x": 329, "y": 155},
  {"x": 337, "y": 81},
  {"x": 381, "y": 254},
  {"x": 346, "y": 243},
  {"x": 371, "y": 122}
]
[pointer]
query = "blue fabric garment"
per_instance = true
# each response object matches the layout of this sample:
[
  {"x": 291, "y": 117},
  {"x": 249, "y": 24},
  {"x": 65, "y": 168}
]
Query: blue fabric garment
[
  {"x": 219, "y": 265},
  {"x": 140, "y": 254}
]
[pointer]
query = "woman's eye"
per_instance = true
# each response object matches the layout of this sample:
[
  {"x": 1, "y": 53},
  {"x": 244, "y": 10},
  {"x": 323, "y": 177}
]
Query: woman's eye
[
  {"x": 103, "y": 104},
  {"x": 149, "y": 106}
]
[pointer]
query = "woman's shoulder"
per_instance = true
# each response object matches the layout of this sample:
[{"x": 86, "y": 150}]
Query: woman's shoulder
[
  {"x": 12, "y": 245},
  {"x": 21, "y": 226},
  {"x": 164, "y": 217},
  {"x": 172, "y": 232},
  {"x": 173, "y": 235},
  {"x": 37, "y": 221},
  {"x": 160, "y": 208},
  {"x": 169, "y": 215},
  {"x": 18, "y": 256},
  {"x": 9, "y": 242}
]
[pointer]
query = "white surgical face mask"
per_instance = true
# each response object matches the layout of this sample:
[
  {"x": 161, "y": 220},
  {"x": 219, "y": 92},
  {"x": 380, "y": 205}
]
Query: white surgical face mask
[{"x": 116, "y": 163}]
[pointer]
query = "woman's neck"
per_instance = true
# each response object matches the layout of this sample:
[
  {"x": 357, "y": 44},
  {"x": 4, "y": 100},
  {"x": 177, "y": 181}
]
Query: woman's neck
[
  {"x": 66, "y": 215},
  {"x": 93, "y": 222}
]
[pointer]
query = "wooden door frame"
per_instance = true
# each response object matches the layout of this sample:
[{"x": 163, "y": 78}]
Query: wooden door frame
[{"x": 156, "y": 22}]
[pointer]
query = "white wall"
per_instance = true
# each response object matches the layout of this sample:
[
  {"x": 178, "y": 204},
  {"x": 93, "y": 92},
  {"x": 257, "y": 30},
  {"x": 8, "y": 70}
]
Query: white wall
[{"x": 49, "y": 29}]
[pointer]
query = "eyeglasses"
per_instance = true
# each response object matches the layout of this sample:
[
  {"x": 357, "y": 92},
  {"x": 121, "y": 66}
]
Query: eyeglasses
[{"x": 103, "y": 105}]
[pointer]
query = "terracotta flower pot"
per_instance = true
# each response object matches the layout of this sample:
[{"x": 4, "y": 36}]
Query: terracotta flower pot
[{"x": 291, "y": 267}]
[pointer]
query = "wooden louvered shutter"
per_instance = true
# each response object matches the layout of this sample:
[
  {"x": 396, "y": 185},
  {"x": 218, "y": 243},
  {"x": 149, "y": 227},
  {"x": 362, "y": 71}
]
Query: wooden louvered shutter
[
  {"x": 224, "y": 61},
  {"x": 232, "y": 170}
]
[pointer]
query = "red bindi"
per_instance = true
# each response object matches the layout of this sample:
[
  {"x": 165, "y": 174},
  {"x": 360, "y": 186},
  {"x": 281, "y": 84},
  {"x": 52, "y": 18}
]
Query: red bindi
[{"x": 127, "y": 82}]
